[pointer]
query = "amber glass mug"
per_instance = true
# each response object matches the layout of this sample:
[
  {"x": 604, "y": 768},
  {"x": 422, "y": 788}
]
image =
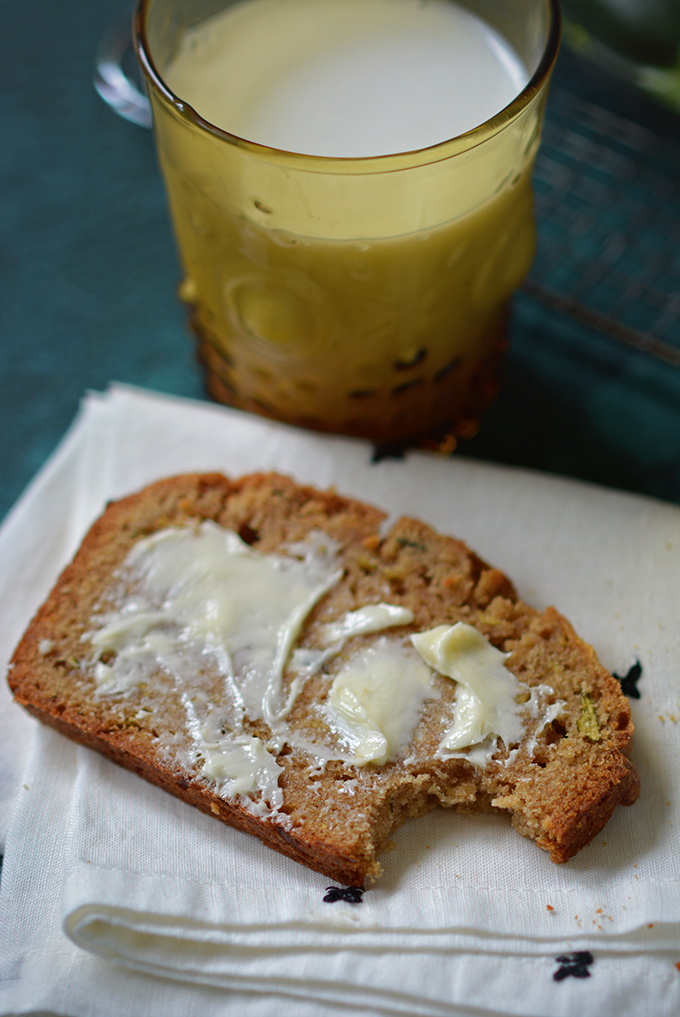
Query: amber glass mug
[{"x": 364, "y": 296}]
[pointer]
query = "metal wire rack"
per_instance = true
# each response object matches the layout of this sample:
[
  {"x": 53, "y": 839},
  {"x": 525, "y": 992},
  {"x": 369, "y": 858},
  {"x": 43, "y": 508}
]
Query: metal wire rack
[{"x": 608, "y": 211}]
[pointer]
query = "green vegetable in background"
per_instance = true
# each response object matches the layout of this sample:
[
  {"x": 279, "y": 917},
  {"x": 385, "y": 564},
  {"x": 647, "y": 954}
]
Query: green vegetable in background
[
  {"x": 646, "y": 31},
  {"x": 636, "y": 39}
]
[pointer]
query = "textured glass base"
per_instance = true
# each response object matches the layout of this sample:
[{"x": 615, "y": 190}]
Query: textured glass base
[{"x": 418, "y": 411}]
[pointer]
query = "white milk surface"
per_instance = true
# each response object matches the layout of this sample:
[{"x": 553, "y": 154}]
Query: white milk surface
[{"x": 346, "y": 78}]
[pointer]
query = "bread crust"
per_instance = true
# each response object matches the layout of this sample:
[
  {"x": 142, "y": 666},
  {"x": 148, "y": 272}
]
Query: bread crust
[{"x": 561, "y": 795}]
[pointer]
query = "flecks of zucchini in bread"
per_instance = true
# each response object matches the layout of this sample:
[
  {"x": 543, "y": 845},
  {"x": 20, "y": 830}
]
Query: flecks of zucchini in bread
[{"x": 588, "y": 726}]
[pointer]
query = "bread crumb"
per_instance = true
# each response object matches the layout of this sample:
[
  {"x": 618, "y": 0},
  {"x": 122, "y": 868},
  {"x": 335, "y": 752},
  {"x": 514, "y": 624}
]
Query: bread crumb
[{"x": 372, "y": 542}]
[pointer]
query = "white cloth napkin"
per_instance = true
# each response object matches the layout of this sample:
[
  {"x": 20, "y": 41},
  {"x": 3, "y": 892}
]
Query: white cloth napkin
[{"x": 108, "y": 880}]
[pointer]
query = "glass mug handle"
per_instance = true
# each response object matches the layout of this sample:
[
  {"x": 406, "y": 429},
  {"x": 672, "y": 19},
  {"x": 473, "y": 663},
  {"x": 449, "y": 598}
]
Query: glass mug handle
[{"x": 116, "y": 71}]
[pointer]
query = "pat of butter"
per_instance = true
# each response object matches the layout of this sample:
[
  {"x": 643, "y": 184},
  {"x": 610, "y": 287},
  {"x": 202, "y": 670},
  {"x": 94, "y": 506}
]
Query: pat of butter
[
  {"x": 371, "y": 618},
  {"x": 376, "y": 700},
  {"x": 486, "y": 698}
]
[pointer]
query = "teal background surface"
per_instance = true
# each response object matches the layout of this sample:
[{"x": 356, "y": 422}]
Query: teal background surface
[{"x": 88, "y": 276}]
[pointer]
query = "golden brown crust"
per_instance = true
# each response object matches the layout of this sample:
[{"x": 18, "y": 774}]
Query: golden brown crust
[{"x": 561, "y": 794}]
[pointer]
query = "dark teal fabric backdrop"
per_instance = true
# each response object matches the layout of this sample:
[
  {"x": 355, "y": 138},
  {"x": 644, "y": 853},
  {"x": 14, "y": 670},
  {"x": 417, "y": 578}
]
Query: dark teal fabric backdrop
[{"x": 88, "y": 274}]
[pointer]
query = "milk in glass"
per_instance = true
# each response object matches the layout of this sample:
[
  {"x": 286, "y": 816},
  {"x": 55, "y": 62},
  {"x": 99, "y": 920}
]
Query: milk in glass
[{"x": 349, "y": 286}]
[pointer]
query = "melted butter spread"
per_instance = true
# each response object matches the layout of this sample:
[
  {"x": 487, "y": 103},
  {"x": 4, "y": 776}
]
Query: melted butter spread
[
  {"x": 376, "y": 700},
  {"x": 243, "y": 766},
  {"x": 201, "y": 598},
  {"x": 205, "y": 590},
  {"x": 486, "y": 698},
  {"x": 202, "y": 603}
]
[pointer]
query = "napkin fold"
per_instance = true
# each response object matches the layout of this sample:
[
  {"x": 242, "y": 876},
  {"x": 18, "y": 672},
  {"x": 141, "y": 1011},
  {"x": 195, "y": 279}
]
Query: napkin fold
[{"x": 108, "y": 880}]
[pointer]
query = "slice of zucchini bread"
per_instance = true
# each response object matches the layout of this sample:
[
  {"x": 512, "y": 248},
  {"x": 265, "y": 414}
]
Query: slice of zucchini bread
[{"x": 259, "y": 649}]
